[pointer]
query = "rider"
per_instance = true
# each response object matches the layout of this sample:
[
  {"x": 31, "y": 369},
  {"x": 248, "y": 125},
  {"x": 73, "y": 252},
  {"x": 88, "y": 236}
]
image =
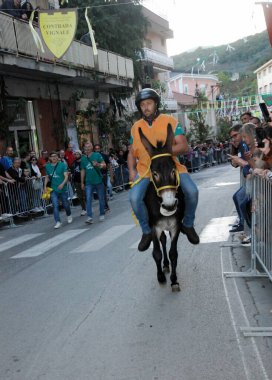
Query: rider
[{"x": 154, "y": 126}]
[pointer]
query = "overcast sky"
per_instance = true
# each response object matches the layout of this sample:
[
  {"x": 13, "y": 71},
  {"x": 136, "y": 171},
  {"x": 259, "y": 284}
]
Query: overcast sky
[{"x": 209, "y": 22}]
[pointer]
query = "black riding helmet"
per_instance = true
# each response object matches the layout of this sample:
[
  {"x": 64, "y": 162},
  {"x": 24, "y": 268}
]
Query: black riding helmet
[{"x": 147, "y": 93}]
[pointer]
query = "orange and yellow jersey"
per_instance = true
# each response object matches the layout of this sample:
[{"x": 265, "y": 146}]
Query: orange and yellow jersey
[{"x": 155, "y": 132}]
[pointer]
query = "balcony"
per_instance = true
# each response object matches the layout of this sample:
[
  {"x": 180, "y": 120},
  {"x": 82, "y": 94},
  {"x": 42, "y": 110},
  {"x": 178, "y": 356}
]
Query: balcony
[
  {"x": 159, "y": 60},
  {"x": 170, "y": 104},
  {"x": 20, "y": 56}
]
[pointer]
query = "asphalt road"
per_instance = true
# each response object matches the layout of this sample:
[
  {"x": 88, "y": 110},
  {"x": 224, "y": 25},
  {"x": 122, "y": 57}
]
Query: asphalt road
[{"x": 81, "y": 303}]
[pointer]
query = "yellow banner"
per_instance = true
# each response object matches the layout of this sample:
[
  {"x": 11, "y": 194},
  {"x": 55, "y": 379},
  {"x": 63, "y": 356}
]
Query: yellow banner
[{"x": 58, "y": 28}]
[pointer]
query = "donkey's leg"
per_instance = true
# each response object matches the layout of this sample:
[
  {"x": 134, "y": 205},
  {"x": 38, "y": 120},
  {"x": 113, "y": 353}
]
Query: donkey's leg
[
  {"x": 173, "y": 255},
  {"x": 157, "y": 255},
  {"x": 163, "y": 240}
]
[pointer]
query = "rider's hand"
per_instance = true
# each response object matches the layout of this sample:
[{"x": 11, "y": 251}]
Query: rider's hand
[{"x": 132, "y": 175}]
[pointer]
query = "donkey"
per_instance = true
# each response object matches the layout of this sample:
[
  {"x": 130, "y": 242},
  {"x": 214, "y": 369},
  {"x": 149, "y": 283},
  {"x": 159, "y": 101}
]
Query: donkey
[{"x": 165, "y": 204}]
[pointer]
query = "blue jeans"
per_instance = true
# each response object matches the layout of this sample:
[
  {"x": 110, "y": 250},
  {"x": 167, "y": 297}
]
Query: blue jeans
[
  {"x": 89, "y": 198},
  {"x": 55, "y": 197},
  {"x": 238, "y": 198},
  {"x": 137, "y": 194}
]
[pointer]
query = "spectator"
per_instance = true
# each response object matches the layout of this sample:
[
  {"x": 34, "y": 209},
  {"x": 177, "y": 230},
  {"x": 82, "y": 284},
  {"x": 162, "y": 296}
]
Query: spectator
[
  {"x": 248, "y": 133},
  {"x": 91, "y": 179},
  {"x": 19, "y": 204},
  {"x": 255, "y": 120},
  {"x": 69, "y": 155},
  {"x": 123, "y": 167},
  {"x": 37, "y": 184},
  {"x": 7, "y": 159},
  {"x": 57, "y": 174},
  {"x": 42, "y": 161},
  {"x": 107, "y": 174},
  {"x": 28, "y": 8},
  {"x": 62, "y": 157},
  {"x": 75, "y": 169},
  {"x": 13, "y": 8},
  {"x": 246, "y": 117},
  {"x": 240, "y": 194},
  {"x": 25, "y": 160}
]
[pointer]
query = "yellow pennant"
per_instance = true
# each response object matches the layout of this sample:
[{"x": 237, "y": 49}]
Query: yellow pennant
[
  {"x": 95, "y": 52},
  {"x": 58, "y": 28},
  {"x": 34, "y": 33}
]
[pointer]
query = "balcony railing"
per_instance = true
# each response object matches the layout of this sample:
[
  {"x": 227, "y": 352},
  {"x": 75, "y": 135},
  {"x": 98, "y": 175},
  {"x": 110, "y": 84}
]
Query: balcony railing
[
  {"x": 16, "y": 38},
  {"x": 157, "y": 58}
]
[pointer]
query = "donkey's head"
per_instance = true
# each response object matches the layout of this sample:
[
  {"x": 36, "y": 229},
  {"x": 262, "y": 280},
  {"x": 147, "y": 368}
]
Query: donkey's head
[{"x": 163, "y": 171}]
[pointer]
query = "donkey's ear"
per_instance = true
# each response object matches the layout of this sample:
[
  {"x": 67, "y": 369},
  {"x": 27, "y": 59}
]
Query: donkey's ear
[
  {"x": 146, "y": 143},
  {"x": 170, "y": 138}
]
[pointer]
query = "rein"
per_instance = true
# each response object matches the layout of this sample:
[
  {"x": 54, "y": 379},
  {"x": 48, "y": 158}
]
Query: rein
[{"x": 151, "y": 178}]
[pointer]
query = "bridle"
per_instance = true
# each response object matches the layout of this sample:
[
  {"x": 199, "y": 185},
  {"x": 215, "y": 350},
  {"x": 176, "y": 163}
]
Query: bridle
[{"x": 158, "y": 189}]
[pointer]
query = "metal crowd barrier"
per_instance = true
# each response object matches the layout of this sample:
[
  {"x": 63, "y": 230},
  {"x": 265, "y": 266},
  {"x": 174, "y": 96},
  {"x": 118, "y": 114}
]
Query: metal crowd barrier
[
  {"x": 262, "y": 223},
  {"x": 261, "y": 241},
  {"x": 20, "y": 199},
  {"x": 25, "y": 199}
]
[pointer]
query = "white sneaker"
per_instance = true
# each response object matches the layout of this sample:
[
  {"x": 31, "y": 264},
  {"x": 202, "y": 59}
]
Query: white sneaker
[
  {"x": 83, "y": 212},
  {"x": 69, "y": 219},
  {"x": 58, "y": 225},
  {"x": 89, "y": 221},
  {"x": 102, "y": 218}
]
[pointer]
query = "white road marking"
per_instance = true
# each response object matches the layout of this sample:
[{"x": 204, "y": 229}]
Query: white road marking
[
  {"x": 217, "y": 230},
  {"x": 41, "y": 248},
  {"x": 17, "y": 241},
  {"x": 226, "y": 183},
  {"x": 104, "y": 239}
]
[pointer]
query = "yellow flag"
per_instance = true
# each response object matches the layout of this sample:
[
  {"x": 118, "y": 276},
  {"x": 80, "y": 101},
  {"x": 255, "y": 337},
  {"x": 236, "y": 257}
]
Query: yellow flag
[{"x": 58, "y": 28}]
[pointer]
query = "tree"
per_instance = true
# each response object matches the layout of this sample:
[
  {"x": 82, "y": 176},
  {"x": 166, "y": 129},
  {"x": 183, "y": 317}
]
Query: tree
[
  {"x": 119, "y": 26},
  {"x": 199, "y": 131},
  {"x": 223, "y": 125}
]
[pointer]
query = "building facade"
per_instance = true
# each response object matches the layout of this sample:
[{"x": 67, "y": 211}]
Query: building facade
[{"x": 42, "y": 95}]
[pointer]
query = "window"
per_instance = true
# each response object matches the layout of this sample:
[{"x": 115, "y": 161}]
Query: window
[
  {"x": 186, "y": 89},
  {"x": 203, "y": 89},
  {"x": 148, "y": 44}
]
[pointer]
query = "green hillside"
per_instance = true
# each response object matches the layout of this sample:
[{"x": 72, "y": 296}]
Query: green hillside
[{"x": 246, "y": 57}]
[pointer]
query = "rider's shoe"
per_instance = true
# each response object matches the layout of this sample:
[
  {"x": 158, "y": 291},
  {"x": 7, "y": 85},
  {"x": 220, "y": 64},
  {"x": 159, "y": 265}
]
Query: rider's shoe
[
  {"x": 145, "y": 242},
  {"x": 191, "y": 234}
]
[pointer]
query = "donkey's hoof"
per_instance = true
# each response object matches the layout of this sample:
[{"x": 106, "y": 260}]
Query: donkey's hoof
[
  {"x": 175, "y": 287},
  {"x": 166, "y": 269},
  {"x": 161, "y": 278}
]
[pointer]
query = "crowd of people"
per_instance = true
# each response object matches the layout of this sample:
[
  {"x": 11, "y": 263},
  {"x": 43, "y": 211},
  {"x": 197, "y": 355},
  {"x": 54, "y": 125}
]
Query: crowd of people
[
  {"x": 251, "y": 143},
  {"x": 205, "y": 155},
  {"x": 24, "y": 179}
]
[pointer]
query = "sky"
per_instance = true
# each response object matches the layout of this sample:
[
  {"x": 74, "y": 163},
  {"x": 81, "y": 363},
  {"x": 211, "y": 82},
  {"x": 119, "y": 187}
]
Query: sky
[{"x": 209, "y": 22}]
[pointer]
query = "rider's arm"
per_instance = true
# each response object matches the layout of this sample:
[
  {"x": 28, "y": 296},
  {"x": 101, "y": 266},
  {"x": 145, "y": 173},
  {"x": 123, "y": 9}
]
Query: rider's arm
[
  {"x": 180, "y": 145},
  {"x": 131, "y": 162}
]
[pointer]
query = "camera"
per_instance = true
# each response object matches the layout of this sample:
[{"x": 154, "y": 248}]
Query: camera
[
  {"x": 265, "y": 112},
  {"x": 260, "y": 135}
]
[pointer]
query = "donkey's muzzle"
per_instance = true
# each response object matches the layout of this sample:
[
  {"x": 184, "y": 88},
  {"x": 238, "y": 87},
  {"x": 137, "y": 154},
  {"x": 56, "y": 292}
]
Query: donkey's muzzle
[{"x": 167, "y": 209}]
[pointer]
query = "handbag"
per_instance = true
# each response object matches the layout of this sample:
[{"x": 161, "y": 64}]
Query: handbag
[
  {"x": 49, "y": 183},
  {"x": 37, "y": 184}
]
